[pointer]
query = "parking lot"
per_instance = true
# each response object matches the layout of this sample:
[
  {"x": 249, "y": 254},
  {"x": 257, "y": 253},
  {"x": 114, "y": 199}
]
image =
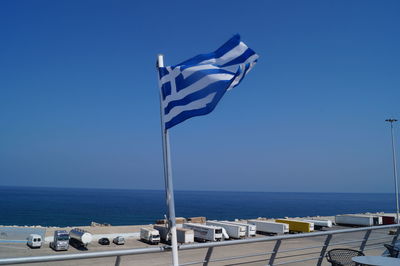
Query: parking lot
[{"x": 21, "y": 250}]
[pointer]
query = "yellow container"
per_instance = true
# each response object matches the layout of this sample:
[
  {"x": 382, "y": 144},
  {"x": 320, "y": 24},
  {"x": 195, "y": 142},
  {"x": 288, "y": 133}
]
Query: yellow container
[{"x": 297, "y": 226}]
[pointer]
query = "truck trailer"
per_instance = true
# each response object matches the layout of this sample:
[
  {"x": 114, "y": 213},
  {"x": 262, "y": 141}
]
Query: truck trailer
[
  {"x": 387, "y": 219},
  {"x": 80, "y": 238},
  {"x": 250, "y": 228},
  {"x": 318, "y": 224},
  {"x": 234, "y": 231},
  {"x": 297, "y": 226},
  {"x": 270, "y": 227},
  {"x": 205, "y": 232},
  {"x": 358, "y": 220}
]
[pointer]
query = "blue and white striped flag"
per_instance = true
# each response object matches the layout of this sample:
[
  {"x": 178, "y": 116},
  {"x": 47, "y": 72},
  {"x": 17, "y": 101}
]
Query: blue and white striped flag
[{"x": 195, "y": 86}]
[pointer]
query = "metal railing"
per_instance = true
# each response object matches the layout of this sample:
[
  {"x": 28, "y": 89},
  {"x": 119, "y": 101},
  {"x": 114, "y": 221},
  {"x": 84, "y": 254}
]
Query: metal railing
[{"x": 269, "y": 257}]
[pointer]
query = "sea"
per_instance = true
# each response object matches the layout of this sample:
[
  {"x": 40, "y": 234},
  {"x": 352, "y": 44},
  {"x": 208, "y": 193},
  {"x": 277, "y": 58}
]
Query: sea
[{"x": 81, "y": 206}]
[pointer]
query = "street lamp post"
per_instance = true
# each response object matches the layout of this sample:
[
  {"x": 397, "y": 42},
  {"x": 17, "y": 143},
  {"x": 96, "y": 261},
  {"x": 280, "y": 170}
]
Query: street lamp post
[{"x": 391, "y": 120}]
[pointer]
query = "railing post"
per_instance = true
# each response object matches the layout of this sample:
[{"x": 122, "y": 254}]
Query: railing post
[
  {"x": 323, "y": 250},
  {"x": 396, "y": 236},
  {"x": 118, "y": 261},
  {"x": 364, "y": 242},
  {"x": 274, "y": 252},
  {"x": 208, "y": 256}
]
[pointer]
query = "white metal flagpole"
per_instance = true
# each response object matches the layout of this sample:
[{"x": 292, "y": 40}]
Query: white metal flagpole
[
  {"x": 391, "y": 120},
  {"x": 169, "y": 188}
]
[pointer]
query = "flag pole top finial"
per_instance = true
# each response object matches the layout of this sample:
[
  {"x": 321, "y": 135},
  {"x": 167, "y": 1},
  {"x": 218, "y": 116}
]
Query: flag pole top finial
[{"x": 160, "y": 60}]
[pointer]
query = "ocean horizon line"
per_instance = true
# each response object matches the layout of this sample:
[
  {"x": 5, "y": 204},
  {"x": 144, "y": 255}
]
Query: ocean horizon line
[{"x": 190, "y": 190}]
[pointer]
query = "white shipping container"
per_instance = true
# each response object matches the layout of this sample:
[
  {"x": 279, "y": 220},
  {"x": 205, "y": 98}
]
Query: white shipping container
[
  {"x": 377, "y": 219},
  {"x": 250, "y": 228},
  {"x": 360, "y": 220},
  {"x": 234, "y": 231},
  {"x": 205, "y": 232},
  {"x": 270, "y": 227}
]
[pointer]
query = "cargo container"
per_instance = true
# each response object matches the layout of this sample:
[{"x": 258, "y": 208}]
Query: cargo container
[
  {"x": 270, "y": 227},
  {"x": 151, "y": 236},
  {"x": 178, "y": 220},
  {"x": 197, "y": 220},
  {"x": 250, "y": 228},
  {"x": 233, "y": 231},
  {"x": 297, "y": 226},
  {"x": 79, "y": 238},
  {"x": 205, "y": 232},
  {"x": 184, "y": 235},
  {"x": 358, "y": 220}
]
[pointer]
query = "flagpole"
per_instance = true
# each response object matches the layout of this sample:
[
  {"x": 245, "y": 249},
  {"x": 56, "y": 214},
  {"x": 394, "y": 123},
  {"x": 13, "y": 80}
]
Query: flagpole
[
  {"x": 169, "y": 188},
  {"x": 391, "y": 120}
]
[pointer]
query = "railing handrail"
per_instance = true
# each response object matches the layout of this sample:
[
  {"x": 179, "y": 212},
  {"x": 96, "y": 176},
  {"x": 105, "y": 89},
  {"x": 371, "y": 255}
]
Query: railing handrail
[
  {"x": 117, "y": 253},
  {"x": 283, "y": 237},
  {"x": 89, "y": 255}
]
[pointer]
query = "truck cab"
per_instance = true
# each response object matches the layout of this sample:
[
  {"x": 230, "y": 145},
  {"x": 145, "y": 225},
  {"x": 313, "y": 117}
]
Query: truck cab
[
  {"x": 60, "y": 241},
  {"x": 34, "y": 241}
]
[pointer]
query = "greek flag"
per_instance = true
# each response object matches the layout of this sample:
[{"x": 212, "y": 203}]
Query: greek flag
[{"x": 195, "y": 86}]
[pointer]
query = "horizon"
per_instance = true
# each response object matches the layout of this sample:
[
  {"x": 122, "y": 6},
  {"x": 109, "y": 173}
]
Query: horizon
[{"x": 183, "y": 190}]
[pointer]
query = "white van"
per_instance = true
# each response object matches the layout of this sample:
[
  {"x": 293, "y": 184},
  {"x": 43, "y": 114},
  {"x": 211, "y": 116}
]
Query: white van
[
  {"x": 34, "y": 241},
  {"x": 119, "y": 240}
]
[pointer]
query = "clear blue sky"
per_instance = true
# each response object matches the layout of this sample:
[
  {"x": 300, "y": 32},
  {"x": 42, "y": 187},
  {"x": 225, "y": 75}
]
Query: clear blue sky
[{"x": 79, "y": 102}]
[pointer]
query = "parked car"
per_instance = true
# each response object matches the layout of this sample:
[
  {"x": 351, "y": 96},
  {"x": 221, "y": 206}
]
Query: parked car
[
  {"x": 119, "y": 240},
  {"x": 104, "y": 241}
]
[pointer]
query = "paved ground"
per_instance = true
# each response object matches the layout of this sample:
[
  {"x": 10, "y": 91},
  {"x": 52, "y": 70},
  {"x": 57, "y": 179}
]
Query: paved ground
[{"x": 21, "y": 250}]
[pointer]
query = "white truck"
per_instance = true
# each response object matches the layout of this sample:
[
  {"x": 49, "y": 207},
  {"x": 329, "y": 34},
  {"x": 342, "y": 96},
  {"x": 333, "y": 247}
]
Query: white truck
[
  {"x": 234, "y": 231},
  {"x": 205, "y": 232},
  {"x": 60, "y": 240},
  {"x": 270, "y": 227},
  {"x": 80, "y": 238},
  {"x": 151, "y": 236},
  {"x": 34, "y": 241},
  {"x": 358, "y": 220},
  {"x": 250, "y": 228}
]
